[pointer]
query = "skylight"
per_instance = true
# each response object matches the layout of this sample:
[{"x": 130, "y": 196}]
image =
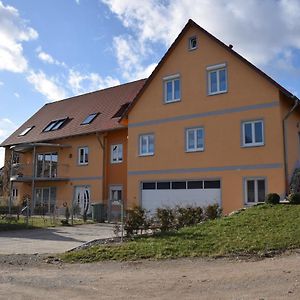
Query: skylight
[
  {"x": 55, "y": 125},
  {"x": 24, "y": 132},
  {"x": 89, "y": 119}
]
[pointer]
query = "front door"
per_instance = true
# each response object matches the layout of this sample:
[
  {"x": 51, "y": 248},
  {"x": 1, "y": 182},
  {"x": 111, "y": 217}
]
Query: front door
[
  {"x": 115, "y": 198},
  {"x": 82, "y": 200}
]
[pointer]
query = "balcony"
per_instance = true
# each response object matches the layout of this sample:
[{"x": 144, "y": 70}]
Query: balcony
[{"x": 45, "y": 172}]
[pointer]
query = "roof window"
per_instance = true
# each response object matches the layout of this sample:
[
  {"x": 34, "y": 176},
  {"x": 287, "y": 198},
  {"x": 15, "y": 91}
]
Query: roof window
[
  {"x": 24, "y": 132},
  {"x": 89, "y": 119},
  {"x": 55, "y": 125}
]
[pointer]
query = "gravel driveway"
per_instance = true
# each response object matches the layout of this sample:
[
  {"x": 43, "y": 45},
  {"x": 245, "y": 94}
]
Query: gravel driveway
[{"x": 51, "y": 240}]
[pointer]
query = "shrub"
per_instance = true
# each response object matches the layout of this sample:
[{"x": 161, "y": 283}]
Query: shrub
[
  {"x": 294, "y": 198},
  {"x": 135, "y": 219},
  {"x": 213, "y": 212},
  {"x": 166, "y": 218},
  {"x": 272, "y": 198},
  {"x": 188, "y": 216}
]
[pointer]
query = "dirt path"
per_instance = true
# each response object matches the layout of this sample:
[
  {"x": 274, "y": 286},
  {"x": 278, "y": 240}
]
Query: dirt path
[{"x": 272, "y": 278}]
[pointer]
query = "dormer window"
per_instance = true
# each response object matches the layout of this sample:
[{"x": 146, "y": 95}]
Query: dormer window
[
  {"x": 24, "y": 132},
  {"x": 55, "y": 125},
  {"x": 89, "y": 119},
  {"x": 121, "y": 110},
  {"x": 193, "y": 43}
]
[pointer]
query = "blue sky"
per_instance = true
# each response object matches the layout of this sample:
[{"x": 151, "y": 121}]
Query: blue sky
[{"x": 54, "y": 49}]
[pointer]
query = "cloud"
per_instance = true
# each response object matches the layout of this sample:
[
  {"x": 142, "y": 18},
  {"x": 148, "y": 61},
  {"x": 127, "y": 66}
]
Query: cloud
[
  {"x": 259, "y": 30},
  {"x": 13, "y": 31},
  {"x": 47, "y": 58},
  {"x": 46, "y": 86},
  {"x": 1, "y": 83},
  {"x": 82, "y": 83},
  {"x": 7, "y": 127},
  {"x": 17, "y": 95}
]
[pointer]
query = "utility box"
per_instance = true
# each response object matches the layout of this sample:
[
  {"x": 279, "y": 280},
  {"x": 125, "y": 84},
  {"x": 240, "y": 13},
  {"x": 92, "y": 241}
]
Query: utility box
[{"x": 98, "y": 212}]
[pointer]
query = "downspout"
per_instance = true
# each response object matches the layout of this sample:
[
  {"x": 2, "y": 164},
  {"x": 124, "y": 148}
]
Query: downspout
[{"x": 286, "y": 172}]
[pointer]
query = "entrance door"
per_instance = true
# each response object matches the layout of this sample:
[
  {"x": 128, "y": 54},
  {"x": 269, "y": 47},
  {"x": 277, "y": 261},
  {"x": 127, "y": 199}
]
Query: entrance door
[
  {"x": 115, "y": 198},
  {"x": 82, "y": 200}
]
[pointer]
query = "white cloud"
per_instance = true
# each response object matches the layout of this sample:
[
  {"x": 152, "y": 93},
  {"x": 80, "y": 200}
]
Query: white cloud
[
  {"x": 77, "y": 2},
  {"x": 47, "y": 58},
  {"x": 46, "y": 86},
  {"x": 259, "y": 30},
  {"x": 17, "y": 95},
  {"x": 1, "y": 83},
  {"x": 13, "y": 31},
  {"x": 82, "y": 83},
  {"x": 7, "y": 127}
]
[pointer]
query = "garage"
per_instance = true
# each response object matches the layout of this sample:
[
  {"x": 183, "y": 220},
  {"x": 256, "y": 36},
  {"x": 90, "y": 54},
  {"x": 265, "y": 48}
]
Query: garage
[{"x": 202, "y": 193}]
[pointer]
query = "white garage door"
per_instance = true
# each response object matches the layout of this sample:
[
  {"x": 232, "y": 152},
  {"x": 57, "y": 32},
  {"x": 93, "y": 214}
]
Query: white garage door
[{"x": 157, "y": 194}]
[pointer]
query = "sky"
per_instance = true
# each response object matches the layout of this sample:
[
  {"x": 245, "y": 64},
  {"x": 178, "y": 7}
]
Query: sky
[{"x": 55, "y": 49}]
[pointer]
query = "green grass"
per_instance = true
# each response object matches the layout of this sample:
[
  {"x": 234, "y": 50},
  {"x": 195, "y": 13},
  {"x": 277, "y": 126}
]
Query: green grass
[
  {"x": 34, "y": 223},
  {"x": 256, "y": 230}
]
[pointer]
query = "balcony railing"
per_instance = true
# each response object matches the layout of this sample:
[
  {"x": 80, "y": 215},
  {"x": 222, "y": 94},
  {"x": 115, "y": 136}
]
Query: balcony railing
[{"x": 24, "y": 172}]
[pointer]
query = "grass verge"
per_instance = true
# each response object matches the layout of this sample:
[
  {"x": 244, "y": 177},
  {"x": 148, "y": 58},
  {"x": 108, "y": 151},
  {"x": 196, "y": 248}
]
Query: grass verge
[{"x": 256, "y": 230}]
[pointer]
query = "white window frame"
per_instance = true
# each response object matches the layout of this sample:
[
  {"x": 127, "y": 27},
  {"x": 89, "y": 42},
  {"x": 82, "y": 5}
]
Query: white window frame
[
  {"x": 119, "y": 150},
  {"x": 82, "y": 161},
  {"x": 253, "y": 144},
  {"x": 217, "y": 68},
  {"x": 172, "y": 79},
  {"x": 255, "y": 179},
  {"x": 148, "y": 153},
  {"x": 190, "y": 43},
  {"x": 194, "y": 130}
]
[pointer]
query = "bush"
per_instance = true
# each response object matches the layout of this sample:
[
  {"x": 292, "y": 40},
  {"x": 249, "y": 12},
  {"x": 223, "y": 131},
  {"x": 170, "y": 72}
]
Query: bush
[
  {"x": 294, "y": 198},
  {"x": 213, "y": 212},
  {"x": 166, "y": 218},
  {"x": 135, "y": 220},
  {"x": 188, "y": 216},
  {"x": 272, "y": 198}
]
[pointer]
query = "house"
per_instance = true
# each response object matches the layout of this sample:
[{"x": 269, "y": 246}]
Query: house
[
  {"x": 72, "y": 152},
  {"x": 206, "y": 127}
]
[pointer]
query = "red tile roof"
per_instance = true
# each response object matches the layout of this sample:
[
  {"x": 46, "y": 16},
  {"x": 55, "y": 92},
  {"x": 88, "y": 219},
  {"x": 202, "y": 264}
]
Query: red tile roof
[{"x": 106, "y": 102}]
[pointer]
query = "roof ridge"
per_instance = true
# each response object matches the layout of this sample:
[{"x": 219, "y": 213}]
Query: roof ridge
[{"x": 88, "y": 93}]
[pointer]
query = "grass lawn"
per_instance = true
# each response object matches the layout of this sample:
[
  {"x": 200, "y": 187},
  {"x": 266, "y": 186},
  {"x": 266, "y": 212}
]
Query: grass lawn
[
  {"x": 34, "y": 222},
  {"x": 256, "y": 230}
]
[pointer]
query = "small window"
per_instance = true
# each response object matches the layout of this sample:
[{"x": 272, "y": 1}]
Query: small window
[
  {"x": 212, "y": 184},
  {"x": 255, "y": 189},
  {"x": 163, "y": 185},
  {"x": 149, "y": 185},
  {"x": 24, "y": 132},
  {"x": 195, "y": 184},
  {"x": 55, "y": 125},
  {"x": 217, "y": 79},
  {"x": 146, "y": 144},
  {"x": 253, "y": 133},
  {"x": 192, "y": 43},
  {"x": 116, "y": 154},
  {"x": 179, "y": 185},
  {"x": 172, "y": 89},
  {"x": 83, "y": 156},
  {"x": 89, "y": 119},
  {"x": 194, "y": 139},
  {"x": 16, "y": 158},
  {"x": 15, "y": 193}
]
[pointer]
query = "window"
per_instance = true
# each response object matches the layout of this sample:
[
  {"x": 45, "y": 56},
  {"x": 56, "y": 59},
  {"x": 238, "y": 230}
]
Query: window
[
  {"x": 163, "y": 185},
  {"x": 116, "y": 153},
  {"x": 46, "y": 166},
  {"x": 14, "y": 193},
  {"x": 16, "y": 158},
  {"x": 255, "y": 190},
  {"x": 179, "y": 185},
  {"x": 83, "y": 156},
  {"x": 253, "y": 134},
  {"x": 55, "y": 125},
  {"x": 172, "y": 89},
  {"x": 212, "y": 184},
  {"x": 89, "y": 119},
  {"x": 24, "y": 132},
  {"x": 149, "y": 185},
  {"x": 192, "y": 43},
  {"x": 146, "y": 144},
  {"x": 194, "y": 139},
  {"x": 44, "y": 200},
  {"x": 217, "y": 79},
  {"x": 195, "y": 185}
]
